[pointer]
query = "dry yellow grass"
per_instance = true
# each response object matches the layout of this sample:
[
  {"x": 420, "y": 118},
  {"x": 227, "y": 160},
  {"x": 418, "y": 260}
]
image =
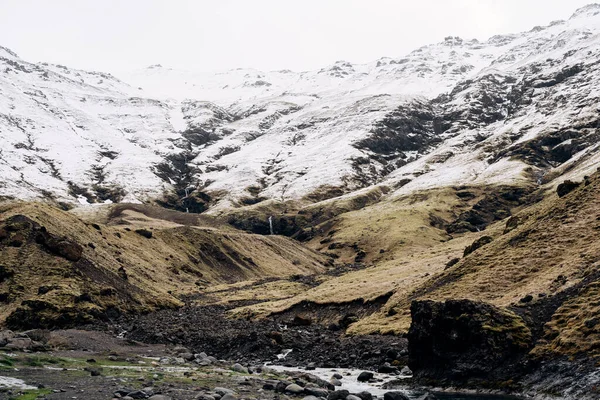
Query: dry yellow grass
[
  {"x": 554, "y": 248},
  {"x": 177, "y": 260},
  {"x": 413, "y": 250},
  {"x": 253, "y": 291}
]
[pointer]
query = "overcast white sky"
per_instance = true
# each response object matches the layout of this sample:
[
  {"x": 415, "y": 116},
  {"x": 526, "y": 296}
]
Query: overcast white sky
[{"x": 113, "y": 35}]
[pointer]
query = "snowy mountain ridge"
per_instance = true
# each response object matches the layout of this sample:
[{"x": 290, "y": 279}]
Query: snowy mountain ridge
[{"x": 516, "y": 108}]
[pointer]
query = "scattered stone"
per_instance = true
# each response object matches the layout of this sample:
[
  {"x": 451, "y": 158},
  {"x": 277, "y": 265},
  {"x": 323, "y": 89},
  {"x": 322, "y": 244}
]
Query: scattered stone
[
  {"x": 566, "y": 187},
  {"x": 395, "y": 396},
  {"x": 365, "y": 396},
  {"x": 294, "y": 389},
  {"x": 406, "y": 371},
  {"x": 5, "y": 337},
  {"x": 511, "y": 224},
  {"x": 300, "y": 320},
  {"x": 452, "y": 263},
  {"x": 482, "y": 241},
  {"x": 223, "y": 391},
  {"x": 338, "y": 395},
  {"x": 239, "y": 368},
  {"x": 187, "y": 356},
  {"x": 160, "y": 397},
  {"x": 270, "y": 384},
  {"x": 316, "y": 392},
  {"x": 526, "y": 299},
  {"x": 138, "y": 394},
  {"x": 337, "y": 376},
  {"x": 335, "y": 382},
  {"x": 281, "y": 385},
  {"x": 144, "y": 232},
  {"x": 122, "y": 392},
  {"x": 18, "y": 343},
  {"x": 365, "y": 376},
  {"x": 205, "y": 396},
  {"x": 387, "y": 368}
]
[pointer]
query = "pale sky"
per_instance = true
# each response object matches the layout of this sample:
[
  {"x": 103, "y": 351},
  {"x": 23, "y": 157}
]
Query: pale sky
[{"x": 205, "y": 35}]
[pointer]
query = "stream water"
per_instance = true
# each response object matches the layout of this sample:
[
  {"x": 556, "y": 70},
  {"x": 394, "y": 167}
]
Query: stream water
[
  {"x": 349, "y": 382},
  {"x": 7, "y": 382}
]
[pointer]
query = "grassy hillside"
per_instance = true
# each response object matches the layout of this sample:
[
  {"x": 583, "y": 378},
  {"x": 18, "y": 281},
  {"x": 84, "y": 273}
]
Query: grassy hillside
[
  {"x": 542, "y": 263},
  {"x": 57, "y": 269}
]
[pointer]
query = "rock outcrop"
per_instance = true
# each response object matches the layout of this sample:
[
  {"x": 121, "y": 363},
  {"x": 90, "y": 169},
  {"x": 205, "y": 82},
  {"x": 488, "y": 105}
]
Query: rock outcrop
[{"x": 459, "y": 340}]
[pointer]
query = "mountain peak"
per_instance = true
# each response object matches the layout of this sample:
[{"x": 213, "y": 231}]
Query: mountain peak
[
  {"x": 7, "y": 51},
  {"x": 587, "y": 11}
]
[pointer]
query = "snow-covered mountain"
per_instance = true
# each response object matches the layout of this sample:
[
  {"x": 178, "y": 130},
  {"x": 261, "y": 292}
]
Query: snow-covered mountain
[{"x": 518, "y": 107}]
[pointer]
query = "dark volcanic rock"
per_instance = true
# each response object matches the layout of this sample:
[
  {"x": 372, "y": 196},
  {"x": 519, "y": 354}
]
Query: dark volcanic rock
[
  {"x": 482, "y": 241},
  {"x": 200, "y": 328},
  {"x": 365, "y": 376},
  {"x": 459, "y": 340},
  {"x": 395, "y": 396},
  {"x": 566, "y": 187},
  {"x": 22, "y": 229},
  {"x": 338, "y": 395},
  {"x": 144, "y": 232}
]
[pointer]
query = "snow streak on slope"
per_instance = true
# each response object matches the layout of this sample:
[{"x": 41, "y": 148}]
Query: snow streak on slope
[{"x": 459, "y": 111}]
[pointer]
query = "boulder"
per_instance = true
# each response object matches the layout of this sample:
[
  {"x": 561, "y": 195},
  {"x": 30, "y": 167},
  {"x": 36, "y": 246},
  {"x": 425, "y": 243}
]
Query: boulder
[
  {"x": 365, "y": 376},
  {"x": 5, "y": 336},
  {"x": 338, "y": 395},
  {"x": 138, "y": 394},
  {"x": 395, "y": 396},
  {"x": 316, "y": 392},
  {"x": 19, "y": 343},
  {"x": 335, "y": 382},
  {"x": 566, "y": 187},
  {"x": 144, "y": 232},
  {"x": 294, "y": 389},
  {"x": 239, "y": 368},
  {"x": 461, "y": 339},
  {"x": 301, "y": 320},
  {"x": 406, "y": 371},
  {"x": 122, "y": 392},
  {"x": 281, "y": 385},
  {"x": 187, "y": 356},
  {"x": 365, "y": 396},
  {"x": 387, "y": 368},
  {"x": 270, "y": 384},
  {"x": 482, "y": 241},
  {"x": 205, "y": 396},
  {"x": 223, "y": 391}
]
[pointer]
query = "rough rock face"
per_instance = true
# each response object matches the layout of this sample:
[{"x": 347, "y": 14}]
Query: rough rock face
[{"x": 458, "y": 340}]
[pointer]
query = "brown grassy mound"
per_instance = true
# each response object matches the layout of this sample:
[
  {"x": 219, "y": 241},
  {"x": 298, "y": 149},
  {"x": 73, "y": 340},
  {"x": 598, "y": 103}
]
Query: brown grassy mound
[
  {"x": 546, "y": 267},
  {"x": 57, "y": 270}
]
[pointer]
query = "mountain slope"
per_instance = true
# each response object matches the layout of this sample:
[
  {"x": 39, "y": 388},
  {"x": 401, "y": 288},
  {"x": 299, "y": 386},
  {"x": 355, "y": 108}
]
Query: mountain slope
[
  {"x": 515, "y": 108},
  {"x": 59, "y": 270}
]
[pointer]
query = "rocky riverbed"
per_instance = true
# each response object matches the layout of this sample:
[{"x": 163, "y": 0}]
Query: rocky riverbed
[
  {"x": 305, "y": 344},
  {"x": 77, "y": 364}
]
